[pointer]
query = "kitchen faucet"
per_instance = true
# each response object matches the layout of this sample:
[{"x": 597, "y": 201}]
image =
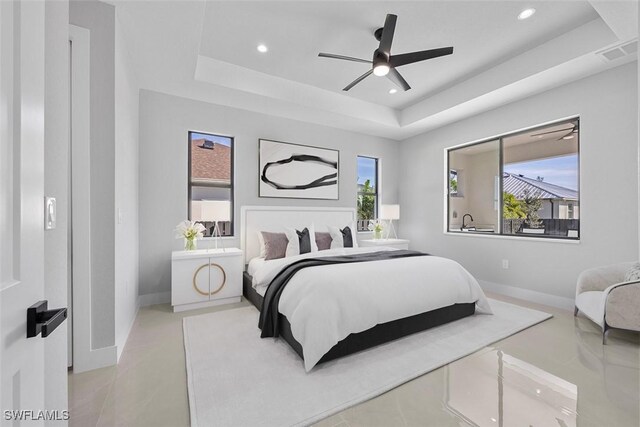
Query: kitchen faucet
[{"x": 463, "y": 218}]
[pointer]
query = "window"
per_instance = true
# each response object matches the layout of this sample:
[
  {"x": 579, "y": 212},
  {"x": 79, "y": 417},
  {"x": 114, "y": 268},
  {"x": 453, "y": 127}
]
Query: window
[
  {"x": 521, "y": 184},
  {"x": 367, "y": 191},
  {"x": 456, "y": 183},
  {"x": 211, "y": 182}
]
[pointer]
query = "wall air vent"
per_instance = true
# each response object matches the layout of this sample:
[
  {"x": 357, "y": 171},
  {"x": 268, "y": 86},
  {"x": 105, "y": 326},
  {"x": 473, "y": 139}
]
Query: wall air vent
[
  {"x": 619, "y": 51},
  {"x": 613, "y": 54},
  {"x": 630, "y": 48}
]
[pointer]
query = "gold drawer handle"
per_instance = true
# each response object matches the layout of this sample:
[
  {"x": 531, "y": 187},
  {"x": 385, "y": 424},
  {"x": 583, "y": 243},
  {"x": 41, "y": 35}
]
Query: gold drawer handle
[{"x": 224, "y": 279}]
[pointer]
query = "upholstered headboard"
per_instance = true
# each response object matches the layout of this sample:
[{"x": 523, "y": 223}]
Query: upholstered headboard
[{"x": 276, "y": 218}]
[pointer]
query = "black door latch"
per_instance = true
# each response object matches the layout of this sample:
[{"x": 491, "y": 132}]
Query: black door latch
[{"x": 39, "y": 319}]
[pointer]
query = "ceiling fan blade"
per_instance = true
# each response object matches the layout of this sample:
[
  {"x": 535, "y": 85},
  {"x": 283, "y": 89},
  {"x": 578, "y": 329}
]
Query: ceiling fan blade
[
  {"x": 387, "y": 34},
  {"x": 346, "y": 58},
  {"x": 410, "y": 58},
  {"x": 395, "y": 77},
  {"x": 358, "y": 80},
  {"x": 568, "y": 135},
  {"x": 554, "y": 131}
]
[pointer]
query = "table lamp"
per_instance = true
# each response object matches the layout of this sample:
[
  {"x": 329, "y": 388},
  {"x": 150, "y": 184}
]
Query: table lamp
[
  {"x": 389, "y": 213},
  {"x": 216, "y": 211}
]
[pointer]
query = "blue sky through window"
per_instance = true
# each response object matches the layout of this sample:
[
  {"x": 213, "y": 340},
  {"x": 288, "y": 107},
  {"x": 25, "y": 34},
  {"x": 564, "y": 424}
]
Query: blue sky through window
[
  {"x": 366, "y": 170},
  {"x": 217, "y": 139},
  {"x": 562, "y": 171}
]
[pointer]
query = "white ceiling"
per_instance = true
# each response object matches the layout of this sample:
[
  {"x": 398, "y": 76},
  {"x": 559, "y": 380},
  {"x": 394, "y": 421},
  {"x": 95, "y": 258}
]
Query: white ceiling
[
  {"x": 207, "y": 51},
  {"x": 482, "y": 34}
]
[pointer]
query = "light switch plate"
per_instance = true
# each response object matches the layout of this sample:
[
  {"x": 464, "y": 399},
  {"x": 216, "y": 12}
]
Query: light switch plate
[{"x": 49, "y": 213}]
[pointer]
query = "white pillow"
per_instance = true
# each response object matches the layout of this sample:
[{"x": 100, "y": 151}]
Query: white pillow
[
  {"x": 337, "y": 238},
  {"x": 293, "y": 248},
  {"x": 263, "y": 249}
]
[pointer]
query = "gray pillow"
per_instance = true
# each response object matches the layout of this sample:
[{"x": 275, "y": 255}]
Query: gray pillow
[
  {"x": 633, "y": 274},
  {"x": 275, "y": 245},
  {"x": 323, "y": 240}
]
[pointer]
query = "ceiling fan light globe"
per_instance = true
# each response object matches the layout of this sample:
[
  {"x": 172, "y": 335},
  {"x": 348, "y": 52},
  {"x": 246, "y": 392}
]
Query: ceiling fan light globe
[{"x": 381, "y": 70}]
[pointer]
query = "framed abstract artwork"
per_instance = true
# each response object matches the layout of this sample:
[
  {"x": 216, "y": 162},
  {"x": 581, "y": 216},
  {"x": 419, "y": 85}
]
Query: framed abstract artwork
[{"x": 297, "y": 171}]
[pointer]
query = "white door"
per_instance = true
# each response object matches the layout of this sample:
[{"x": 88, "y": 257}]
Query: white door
[{"x": 22, "y": 74}]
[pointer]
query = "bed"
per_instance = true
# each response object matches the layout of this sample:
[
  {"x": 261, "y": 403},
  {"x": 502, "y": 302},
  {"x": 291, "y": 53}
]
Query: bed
[{"x": 332, "y": 311}]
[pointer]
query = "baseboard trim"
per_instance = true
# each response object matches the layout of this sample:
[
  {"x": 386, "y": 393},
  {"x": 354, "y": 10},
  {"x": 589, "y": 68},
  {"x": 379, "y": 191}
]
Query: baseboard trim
[
  {"x": 95, "y": 359},
  {"x": 153, "y": 299},
  {"x": 528, "y": 295},
  {"x": 121, "y": 345}
]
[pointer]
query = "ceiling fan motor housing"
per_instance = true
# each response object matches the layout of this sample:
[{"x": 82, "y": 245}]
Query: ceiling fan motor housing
[{"x": 380, "y": 57}]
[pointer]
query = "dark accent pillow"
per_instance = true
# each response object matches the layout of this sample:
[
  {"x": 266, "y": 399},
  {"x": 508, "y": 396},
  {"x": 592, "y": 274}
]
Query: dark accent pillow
[
  {"x": 347, "y": 237},
  {"x": 323, "y": 240},
  {"x": 343, "y": 237},
  {"x": 275, "y": 245},
  {"x": 305, "y": 241}
]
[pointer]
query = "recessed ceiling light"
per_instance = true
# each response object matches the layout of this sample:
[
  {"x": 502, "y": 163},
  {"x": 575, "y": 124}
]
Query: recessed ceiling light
[
  {"x": 568, "y": 137},
  {"x": 393, "y": 90},
  {"x": 527, "y": 13},
  {"x": 262, "y": 48}
]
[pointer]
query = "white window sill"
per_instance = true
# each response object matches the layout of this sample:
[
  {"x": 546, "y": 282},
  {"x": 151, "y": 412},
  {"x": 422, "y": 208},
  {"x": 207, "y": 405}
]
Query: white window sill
[
  {"x": 508, "y": 237},
  {"x": 211, "y": 238}
]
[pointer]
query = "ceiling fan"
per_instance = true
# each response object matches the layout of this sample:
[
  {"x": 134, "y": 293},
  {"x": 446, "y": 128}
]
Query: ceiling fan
[
  {"x": 568, "y": 133},
  {"x": 385, "y": 64}
]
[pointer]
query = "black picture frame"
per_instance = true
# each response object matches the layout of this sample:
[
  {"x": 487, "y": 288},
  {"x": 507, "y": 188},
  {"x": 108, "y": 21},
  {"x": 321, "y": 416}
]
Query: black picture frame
[{"x": 318, "y": 185}]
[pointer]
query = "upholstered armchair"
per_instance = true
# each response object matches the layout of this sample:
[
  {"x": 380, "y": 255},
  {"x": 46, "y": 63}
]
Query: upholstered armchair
[{"x": 610, "y": 297}]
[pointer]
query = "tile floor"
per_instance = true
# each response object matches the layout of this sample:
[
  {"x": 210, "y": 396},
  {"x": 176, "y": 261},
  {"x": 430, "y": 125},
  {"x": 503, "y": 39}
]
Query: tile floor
[{"x": 556, "y": 373}]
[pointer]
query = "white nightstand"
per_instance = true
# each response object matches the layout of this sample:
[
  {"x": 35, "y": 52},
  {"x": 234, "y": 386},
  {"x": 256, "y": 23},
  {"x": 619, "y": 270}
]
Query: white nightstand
[
  {"x": 204, "y": 278},
  {"x": 392, "y": 243}
]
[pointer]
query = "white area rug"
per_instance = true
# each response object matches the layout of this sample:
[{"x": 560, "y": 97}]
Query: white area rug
[{"x": 237, "y": 379}]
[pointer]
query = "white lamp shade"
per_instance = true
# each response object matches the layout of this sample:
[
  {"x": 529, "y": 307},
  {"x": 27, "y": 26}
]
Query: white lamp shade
[
  {"x": 390, "y": 212},
  {"x": 196, "y": 210},
  {"x": 215, "y": 210}
]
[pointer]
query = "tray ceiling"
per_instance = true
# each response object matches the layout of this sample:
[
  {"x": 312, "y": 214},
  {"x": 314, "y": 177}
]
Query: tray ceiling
[{"x": 206, "y": 50}]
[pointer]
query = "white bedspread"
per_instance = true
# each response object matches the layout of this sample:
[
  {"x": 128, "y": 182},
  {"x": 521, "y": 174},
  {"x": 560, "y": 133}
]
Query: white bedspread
[{"x": 325, "y": 304}]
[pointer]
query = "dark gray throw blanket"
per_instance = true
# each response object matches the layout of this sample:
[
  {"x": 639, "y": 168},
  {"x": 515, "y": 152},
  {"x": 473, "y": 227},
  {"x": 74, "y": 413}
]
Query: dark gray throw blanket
[{"x": 269, "y": 313}]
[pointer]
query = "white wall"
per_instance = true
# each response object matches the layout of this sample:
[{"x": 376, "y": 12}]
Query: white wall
[
  {"x": 56, "y": 184},
  {"x": 607, "y": 104},
  {"x": 164, "y": 123},
  {"x": 99, "y": 19},
  {"x": 126, "y": 190}
]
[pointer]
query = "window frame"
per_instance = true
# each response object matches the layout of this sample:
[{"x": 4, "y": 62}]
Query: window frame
[
  {"x": 376, "y": 194},
  {"x": 232, "y": 175},
  {"x": 500, "y": 138}
]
